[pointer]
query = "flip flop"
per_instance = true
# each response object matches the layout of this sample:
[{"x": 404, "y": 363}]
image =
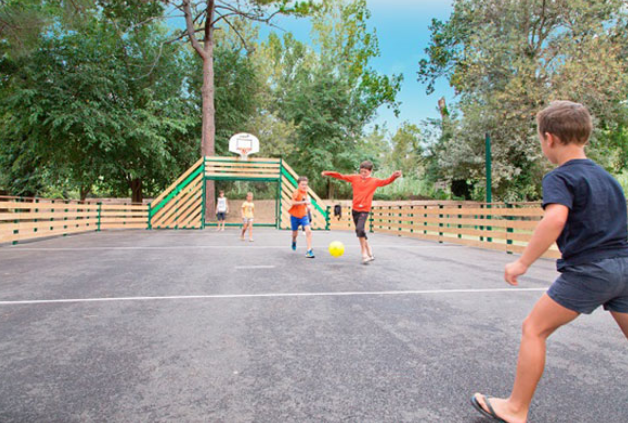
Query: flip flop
[{"x": 491, "y": 413}]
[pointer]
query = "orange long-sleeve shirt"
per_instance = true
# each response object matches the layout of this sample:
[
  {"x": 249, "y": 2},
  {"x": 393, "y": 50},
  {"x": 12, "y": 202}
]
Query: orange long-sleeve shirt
[{"x": 363, "y": 189}]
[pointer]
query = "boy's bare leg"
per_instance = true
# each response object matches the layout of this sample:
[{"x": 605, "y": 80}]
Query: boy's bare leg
[
  {"x": 308, "y": 236},
  {"x": 295, "y": 235},
  {"x": 622, "y": 321},
  {"x": 368, "y": 247},
  {"x": 363, "y": 246},
  {"x": 244, "y": 226},
  {"x": 546, "y": 316}
]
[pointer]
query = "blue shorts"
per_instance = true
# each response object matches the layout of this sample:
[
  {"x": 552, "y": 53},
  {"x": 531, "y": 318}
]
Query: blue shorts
[
  {"x": 221, "y": 216},
  {"x": 295, "y": 222},
  {"x": 584, "y": 287}
]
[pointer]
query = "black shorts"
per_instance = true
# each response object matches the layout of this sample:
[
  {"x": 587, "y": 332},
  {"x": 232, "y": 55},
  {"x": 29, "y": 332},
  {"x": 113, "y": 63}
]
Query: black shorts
[
  {"x": 221, "y": 216},
  {"x": 359, "y": 220},
  {"x": 584, "y": 287}
]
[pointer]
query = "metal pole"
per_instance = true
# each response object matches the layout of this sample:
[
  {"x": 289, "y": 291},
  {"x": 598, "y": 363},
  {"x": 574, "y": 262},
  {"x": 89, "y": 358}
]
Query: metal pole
[{"x": 489, "y": 197}]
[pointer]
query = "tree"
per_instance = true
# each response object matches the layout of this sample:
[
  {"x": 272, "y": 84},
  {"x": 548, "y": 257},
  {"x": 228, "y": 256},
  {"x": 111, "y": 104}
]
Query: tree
[
  {"x": 203, "y": 18},
  {"x": 407, "y": 153},
  {"x": 506, "y": 60},
  {"x": 329, "y": 93},
  {"x": 98, "y": 102}
]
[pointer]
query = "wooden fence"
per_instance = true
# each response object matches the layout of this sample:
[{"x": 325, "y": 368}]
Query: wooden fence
[
  {"x": 497, "y": 226},
  {"x": 24, "y": 219}
]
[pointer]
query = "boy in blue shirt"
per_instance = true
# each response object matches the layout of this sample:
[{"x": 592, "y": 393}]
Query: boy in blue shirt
[{"x": 585, "y": 213}]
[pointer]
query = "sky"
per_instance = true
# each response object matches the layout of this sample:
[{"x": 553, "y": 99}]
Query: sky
[{"x": 402, "y": 28}]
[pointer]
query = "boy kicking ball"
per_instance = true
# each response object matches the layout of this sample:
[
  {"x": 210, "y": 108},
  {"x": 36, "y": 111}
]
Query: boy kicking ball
[
  {"x": 299, "y": 215},
  {"x": 364, "y": 188},
  {"x": 585, "y": 213}
]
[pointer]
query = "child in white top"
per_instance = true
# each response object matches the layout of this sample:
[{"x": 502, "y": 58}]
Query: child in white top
[{"x": 222, "y": 208}]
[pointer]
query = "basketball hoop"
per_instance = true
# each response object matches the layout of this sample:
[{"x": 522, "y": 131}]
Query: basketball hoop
[
  {"x": 244, "y": 152},
  {"x": 244, "y": 145}
]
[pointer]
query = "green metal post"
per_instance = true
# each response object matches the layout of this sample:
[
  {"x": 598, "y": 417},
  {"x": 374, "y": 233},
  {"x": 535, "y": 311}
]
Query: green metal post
[
  {"x": 327, "y": 218},
  {"x": 204, "y": 199},
  {"x": 150, "y": 216},
  {"x": 489, "y": 181},
  {"x": 98, "y": 221},
  {"x": 279, "y": 209},
  {"x": 440, "y": 225},
  {"x": 509, "y": 230}
]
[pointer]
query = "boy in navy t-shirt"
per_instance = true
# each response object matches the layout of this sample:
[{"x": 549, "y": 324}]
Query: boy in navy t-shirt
[{"x": 585, "y": 214}]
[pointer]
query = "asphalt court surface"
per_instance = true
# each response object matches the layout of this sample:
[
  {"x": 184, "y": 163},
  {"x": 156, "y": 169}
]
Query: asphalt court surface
[{"x": 197, "y": 326}]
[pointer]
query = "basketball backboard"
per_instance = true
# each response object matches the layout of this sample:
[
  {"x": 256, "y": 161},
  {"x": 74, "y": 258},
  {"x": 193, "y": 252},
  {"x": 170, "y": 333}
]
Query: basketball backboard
[{"x": 244, "y": 144}]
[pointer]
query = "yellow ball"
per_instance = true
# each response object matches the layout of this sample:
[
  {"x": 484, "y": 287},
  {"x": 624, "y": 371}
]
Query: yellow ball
[{"x": 336, "y": 248}]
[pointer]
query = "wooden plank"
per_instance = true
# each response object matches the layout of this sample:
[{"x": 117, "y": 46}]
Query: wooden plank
[
  {"x": 242, "y": 169},
  {"x": 46, "y": 206},
  {"x": 193, "y": 219},
  {"x": 191, "y": 214},
  {"x": 239, "y": 159},
  {"x": 177, "y": 182},
  {"x": 194, "y": 186},
  {"x": 120, "y": 226},
  {"x": 123, "y": 214},
  {"x": 185, "y": 200},
  {"x": 528, "y": 212},
  {"x": 47, "y": 225},
  {"x": 44, "y": 215},
  {"x": 123, "y": 220},
  {"x": 35, "y": 235},
  {"x": 122, "y": 207},
  {"x": 241, "y": 175},
  {"x": 515, "y": 224}
]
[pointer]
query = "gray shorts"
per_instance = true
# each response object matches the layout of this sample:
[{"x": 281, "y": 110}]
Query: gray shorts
[{"x": 585, "y": 287}]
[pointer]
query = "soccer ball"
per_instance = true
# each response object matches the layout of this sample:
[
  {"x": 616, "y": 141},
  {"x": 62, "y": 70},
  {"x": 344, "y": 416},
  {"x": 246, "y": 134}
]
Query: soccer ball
[{"x": 336, "y": 249}]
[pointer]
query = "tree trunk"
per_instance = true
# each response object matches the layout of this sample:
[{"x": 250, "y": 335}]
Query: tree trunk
[
  {"x": 330, "y": 189},
  {"x": 136, "y": 191},
  {"x": 85, "y": 190},
  {"x": 208, "y": 143}
]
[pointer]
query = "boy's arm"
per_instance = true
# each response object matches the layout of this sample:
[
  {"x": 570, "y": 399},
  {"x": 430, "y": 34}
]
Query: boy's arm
[
  {"x": 384, "y": 182},
  {"x": 337, "y": 175},
  {"x": 297, "y": 203},
  {"x": 545, "y": 234}
]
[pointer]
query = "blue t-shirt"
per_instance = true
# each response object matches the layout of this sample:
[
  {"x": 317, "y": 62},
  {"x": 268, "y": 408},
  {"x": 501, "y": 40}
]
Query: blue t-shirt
[{"x": 597, "y": 225}]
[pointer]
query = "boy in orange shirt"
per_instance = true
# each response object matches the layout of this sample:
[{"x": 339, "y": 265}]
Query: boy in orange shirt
[
  {"x": 299, "y": 215},
  {"x": 364, "y": 188}
]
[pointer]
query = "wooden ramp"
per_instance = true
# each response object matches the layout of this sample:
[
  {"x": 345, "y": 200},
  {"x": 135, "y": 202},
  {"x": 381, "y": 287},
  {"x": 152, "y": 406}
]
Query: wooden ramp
[{"x": 182, "y": 204}]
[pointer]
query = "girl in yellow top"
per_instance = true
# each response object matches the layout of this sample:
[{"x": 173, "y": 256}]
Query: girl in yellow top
[{"x": 248, "y": 208}]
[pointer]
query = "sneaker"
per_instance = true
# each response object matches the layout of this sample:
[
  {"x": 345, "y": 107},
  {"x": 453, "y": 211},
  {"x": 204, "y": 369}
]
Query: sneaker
[
  {"x": 250, "y": 239},
  {"x": 310, "y": 254},
  {"x": 294, "y": 246},
  {"x": 366, "y": 260},
  {"x": 371, "y": 258}
]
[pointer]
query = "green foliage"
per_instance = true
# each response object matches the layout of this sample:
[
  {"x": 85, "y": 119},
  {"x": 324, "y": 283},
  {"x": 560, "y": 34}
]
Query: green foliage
[
  {"x": 328, "y": 94},
  {"x": 506, "y": 60},
  {"x": 95, "y": 106}
]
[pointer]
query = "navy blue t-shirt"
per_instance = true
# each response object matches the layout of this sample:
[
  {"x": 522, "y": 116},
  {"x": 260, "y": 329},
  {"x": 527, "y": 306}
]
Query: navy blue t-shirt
[{"x": 597, "y": 225}]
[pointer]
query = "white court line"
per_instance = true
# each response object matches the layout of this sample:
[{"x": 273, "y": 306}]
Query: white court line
[
  {"x": 254, "y": 267},
  {"x": 275, "y": 295},
  {"x": 222, "y": 247}
]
